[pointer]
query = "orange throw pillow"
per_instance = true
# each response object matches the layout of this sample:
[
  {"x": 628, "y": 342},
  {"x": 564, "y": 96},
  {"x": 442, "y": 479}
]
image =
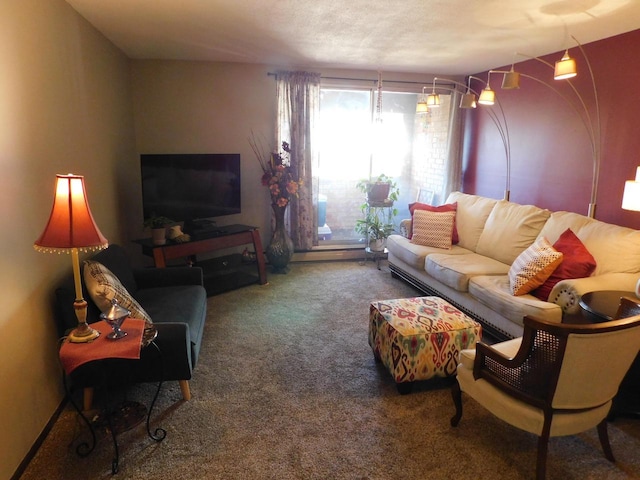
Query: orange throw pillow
[{"x": 533, "y": 266}]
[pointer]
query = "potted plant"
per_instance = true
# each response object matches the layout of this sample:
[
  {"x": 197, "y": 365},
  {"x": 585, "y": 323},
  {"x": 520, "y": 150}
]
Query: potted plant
[
  {"x": 379, "y": 190},
  {"x": 158, "y": 225},
  {"x": 378, "y": 210},
  {"x": 376, "y": 226}
]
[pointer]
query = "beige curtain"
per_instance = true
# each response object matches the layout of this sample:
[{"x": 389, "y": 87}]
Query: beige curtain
[
  {"x": 453, "y": 176},
  {"x": 298, "y": 96}
]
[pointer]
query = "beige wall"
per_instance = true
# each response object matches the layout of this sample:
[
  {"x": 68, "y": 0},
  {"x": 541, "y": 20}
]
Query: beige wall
[
  {"x": 65, "y": 106},
  {"x": 197, "y": 107}
]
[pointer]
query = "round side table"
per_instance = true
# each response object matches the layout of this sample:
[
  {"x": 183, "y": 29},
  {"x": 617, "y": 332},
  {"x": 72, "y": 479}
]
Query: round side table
[{"x": 601, "y": 306}]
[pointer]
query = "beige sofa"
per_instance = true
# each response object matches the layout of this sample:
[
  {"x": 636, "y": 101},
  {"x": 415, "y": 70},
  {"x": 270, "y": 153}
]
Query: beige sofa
[{"x": 473, "y": 275}]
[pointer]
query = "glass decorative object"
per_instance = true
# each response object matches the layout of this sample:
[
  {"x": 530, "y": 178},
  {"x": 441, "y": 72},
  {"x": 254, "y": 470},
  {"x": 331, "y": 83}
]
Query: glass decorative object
[{"x": 114, "y": 317}]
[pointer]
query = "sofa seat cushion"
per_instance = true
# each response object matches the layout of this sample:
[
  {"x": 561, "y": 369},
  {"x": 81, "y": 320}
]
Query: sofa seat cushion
[
  {"x": 510, "y": 229},
  {"x": 456, "y": 270},
  {"x": 615, "y": 249},
  {"x": 182, "y": 304},
  {"x": 471, "y": 215},
  {"x": 415, "y": 255},
  {"x": 494, "y": 291}
]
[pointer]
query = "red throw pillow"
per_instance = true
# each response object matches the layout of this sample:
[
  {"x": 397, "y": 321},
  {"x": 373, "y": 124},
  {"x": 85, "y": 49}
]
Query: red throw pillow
[
  {"x": 577, "y": 262},
  {"x": 449, "y": 207}
]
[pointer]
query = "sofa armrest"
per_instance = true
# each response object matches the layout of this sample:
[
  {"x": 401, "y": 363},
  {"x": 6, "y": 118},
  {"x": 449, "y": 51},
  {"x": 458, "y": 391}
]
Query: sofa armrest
[
  {"x": 405, "y": 227},
  {"x": 167, "y": 277},
  {"x": 567, "y": 293}
]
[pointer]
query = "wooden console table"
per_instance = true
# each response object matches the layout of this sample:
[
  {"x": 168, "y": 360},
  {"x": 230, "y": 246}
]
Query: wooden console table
[{"x": 212, "y": 240}]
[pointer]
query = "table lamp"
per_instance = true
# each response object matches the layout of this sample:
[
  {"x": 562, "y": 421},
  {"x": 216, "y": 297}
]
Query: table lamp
[
  {"x": 631, "y": 201},
  {"x": 71, "y": 229}
]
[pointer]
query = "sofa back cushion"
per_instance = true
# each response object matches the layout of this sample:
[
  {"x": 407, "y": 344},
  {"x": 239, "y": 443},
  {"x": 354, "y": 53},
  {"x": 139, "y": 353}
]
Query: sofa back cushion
[
  {"x": 471, "y": 215},
  {"x": 615, "y": 249},
  {"x": 510, "y": 229}
]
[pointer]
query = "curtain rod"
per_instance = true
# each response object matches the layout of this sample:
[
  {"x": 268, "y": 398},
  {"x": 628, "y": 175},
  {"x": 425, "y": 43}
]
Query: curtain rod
[{"x": 273, "y": 74}]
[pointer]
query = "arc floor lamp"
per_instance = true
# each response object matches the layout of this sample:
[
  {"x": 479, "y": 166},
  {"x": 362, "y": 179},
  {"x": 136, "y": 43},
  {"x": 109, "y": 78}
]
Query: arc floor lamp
[
  {"x": 565, "y": 69},
  {"x": 470, "y": 99}
]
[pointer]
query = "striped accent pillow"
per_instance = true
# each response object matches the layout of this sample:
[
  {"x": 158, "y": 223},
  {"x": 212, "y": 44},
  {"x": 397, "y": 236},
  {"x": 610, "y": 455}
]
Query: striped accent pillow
[
  {"x": 433, "y": 229},
  {"x": 103, "y": 285},
  {"x": 533, "y": 266}
]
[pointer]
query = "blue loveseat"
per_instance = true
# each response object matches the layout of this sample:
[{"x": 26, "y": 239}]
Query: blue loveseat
[{"x": 175, "y": 300}]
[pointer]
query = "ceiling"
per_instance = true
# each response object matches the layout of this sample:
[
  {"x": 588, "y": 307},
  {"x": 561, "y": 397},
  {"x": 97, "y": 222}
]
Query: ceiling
[{"x": 421, "y": 36}]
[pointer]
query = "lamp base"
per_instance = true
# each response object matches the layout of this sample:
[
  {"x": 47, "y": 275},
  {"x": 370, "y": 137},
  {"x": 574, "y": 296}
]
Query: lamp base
[{"x": 83, "y": 333}]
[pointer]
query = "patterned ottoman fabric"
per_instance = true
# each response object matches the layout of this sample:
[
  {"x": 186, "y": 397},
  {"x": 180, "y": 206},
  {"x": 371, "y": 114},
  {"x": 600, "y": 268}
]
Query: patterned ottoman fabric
[{"x": 420, "y": 338}]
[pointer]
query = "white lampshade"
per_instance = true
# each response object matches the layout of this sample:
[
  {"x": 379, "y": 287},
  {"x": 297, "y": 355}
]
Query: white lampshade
[
  {"x": 468, "y": 100},
  {"x": 631, "y": 195},
  {"x": 511, "y": 80},
  {"x": 487, "y": 96},
  {"x": 421, "y": 106},
  {"x": 433, "y": 100},
  {"x": 565, "y": 67}
]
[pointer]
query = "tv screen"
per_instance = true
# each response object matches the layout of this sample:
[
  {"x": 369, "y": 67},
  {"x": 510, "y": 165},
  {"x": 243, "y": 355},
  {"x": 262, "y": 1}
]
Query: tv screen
[{"x": 188, "y": 187}]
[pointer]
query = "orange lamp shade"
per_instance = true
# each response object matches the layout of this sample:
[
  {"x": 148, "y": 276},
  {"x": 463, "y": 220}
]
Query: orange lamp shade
[{"x": 71, "y": 223}]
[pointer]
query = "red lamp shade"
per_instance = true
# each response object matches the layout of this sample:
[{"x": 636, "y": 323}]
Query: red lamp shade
[{"x": 71, "y": 224}]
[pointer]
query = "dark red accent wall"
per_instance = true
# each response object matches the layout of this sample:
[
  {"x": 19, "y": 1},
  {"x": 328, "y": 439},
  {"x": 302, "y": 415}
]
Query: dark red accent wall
[{"x": 551, "y": 161}]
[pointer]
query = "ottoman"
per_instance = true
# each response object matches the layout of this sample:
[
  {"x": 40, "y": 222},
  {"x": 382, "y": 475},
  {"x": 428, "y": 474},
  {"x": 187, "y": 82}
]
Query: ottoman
[{"x": 419, "y": 338}]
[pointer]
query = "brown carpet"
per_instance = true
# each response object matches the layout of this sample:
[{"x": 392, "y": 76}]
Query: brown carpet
[{"x": 287, "y": 388}]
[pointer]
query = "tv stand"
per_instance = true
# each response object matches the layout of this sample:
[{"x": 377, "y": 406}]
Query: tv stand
[{"x": 206, "y": 241}]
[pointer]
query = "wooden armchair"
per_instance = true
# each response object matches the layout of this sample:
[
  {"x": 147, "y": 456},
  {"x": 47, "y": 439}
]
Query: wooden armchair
[{"x": 557, "y": 379}]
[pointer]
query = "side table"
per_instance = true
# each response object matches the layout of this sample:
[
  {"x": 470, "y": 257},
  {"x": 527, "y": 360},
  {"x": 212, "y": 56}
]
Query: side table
[
  {"x": 106, "y": 353},
  {"x": 601, "y": 306}
]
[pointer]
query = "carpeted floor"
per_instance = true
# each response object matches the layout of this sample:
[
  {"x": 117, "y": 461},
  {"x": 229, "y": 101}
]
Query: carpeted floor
[{"x": 287, "y": 388}]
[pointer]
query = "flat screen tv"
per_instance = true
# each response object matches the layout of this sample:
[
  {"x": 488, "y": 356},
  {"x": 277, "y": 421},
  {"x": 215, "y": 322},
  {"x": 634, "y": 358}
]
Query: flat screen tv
[{"x": 190, "y": 187}]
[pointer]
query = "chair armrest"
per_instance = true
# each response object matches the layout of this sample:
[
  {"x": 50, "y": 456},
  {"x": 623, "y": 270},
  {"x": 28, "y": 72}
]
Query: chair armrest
[
  {"x": 167, "y": 277},
  {"x": 532, "y": 374}
]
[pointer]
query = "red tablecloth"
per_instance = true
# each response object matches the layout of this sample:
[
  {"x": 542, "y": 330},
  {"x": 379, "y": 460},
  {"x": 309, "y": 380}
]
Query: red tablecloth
[{"x": 72, "y": 355}]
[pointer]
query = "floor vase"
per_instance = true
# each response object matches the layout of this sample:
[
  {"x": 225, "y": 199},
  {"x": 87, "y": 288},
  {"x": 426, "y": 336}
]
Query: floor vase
[{"x": 280, "y": 248}]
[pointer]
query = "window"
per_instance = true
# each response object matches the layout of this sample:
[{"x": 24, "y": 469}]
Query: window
[{"x": 355, "y": 144}]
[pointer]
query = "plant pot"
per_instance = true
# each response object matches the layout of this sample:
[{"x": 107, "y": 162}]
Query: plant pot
[
  {"x": 159, "y": 236},
  {"x": 378, "y": 192},
  {"x": 376, "y": 245}
]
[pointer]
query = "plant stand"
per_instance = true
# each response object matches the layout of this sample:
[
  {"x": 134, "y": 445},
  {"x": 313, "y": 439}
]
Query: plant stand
[
  {"x": 383, "y": 210},
  {"x": 377, "y": 256}
]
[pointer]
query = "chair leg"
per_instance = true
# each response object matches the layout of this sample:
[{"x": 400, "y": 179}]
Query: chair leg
[
  {"x": 603, "y": 435},
  {"x": 456, "y": 394},
  {"x": 186, "y": 391},
  {"x": 87, "y": 398},
  {"x": 541, "y": 462}
]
